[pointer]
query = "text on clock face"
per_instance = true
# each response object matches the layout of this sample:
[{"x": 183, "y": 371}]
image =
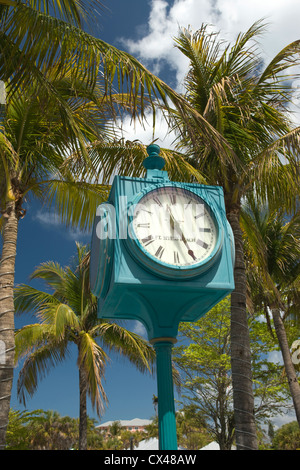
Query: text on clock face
[{"x": 173, "y": 225}]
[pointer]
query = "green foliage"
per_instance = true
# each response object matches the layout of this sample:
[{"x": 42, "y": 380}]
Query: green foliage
[
  {"x": 40, "y": 431},
  {"x": 246, "y": 105},
  {"x": 192, "y": 432},
  {"x": 68, "y": 314},
  {"x": 47, "y": 430},
  {"x": 204, "y": 362},
  {"x": 205, "y": 365},
  {"x": 271, "y": 391},
  {"x": 287, "y": 437},
  {"x": 17, "y": 435}
]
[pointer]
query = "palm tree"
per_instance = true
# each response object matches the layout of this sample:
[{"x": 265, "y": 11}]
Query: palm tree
[
  {"x": 247, "y": 103},
  {"x": 69, "y": 315},
  {"x": 155, "y": 403},
  {"x": 273, "y": 247},
  {"x": 33, "y": 148}
]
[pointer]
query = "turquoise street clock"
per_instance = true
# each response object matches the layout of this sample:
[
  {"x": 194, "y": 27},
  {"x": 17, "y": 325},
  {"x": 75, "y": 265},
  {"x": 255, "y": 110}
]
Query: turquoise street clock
[{"x": 162, "y": 252}]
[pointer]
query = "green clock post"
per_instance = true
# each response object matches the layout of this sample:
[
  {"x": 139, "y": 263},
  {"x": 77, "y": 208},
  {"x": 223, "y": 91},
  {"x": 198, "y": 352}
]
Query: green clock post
[{"x": 162, "y": 252}]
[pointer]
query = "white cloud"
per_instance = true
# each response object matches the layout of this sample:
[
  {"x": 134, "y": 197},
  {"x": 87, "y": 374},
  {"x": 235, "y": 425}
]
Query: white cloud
[
  {"x": 276, "y": 357},
  {"x": 227, "y": 16},
  {"x": 139, "y": 329},
  {"x": 145, "y": 133},
  {"x": 53, "y": 221},
  {"x": 156, "y": 49}
]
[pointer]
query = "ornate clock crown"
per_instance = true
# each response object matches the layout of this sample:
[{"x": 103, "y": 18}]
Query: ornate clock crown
[
  {"x": 154, "y": 164},
  {"x": 154, "y": 161}
]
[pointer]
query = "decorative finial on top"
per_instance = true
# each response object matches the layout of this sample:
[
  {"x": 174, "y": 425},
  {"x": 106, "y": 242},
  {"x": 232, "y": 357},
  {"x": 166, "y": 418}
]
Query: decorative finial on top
[{"x": 154, "y": 161}]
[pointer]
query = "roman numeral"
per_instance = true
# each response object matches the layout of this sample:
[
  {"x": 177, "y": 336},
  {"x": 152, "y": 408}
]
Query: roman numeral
[
  {"x": 207, "y": 230},
  {"x": 159, "y": 252},
  {"x": 144, "y": 225},
  {"x": 157, "y": 201},
  {"x": 202, "y": 243},
  {"x": 146, "y": 241},
  {"x": 176, "y": 257},
  {"x": 173, "y": 198}
]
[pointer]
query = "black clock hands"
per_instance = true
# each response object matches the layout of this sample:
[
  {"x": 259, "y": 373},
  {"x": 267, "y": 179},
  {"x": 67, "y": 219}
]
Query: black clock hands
[{"x": 179, "y": 230}]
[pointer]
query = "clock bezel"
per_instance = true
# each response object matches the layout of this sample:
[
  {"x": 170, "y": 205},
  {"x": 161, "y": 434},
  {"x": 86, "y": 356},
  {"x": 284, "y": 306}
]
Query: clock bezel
[
  {"x": 159, "y": 267},
  {"x": 104, "y": 262}
]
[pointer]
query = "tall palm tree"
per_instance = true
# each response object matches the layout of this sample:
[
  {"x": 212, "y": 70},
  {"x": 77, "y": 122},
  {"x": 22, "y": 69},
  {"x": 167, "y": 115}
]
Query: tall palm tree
[
  {"x": 247, "y": 103},
  {"x": 273, "y": 247},
  {"x": 33, "y": 146},
  {"x": 68, "y": 315}
]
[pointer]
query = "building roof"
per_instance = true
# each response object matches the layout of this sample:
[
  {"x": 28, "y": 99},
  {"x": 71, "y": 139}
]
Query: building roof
[
  {"x": 127, "y": 423},
  {"x": 215, "y": 446},
  {"x": 150, "y": 444}
]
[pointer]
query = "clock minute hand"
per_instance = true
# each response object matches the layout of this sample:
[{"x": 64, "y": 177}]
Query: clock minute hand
[{"x": 173, "y": 223}]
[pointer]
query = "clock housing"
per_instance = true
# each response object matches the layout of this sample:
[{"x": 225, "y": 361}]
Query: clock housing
[{"x": 133, "y": 283}]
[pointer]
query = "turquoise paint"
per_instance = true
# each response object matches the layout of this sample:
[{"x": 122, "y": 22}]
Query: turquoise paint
[
  {"x": 165, "y": 393},
  {"x": 130, "y": 285}
]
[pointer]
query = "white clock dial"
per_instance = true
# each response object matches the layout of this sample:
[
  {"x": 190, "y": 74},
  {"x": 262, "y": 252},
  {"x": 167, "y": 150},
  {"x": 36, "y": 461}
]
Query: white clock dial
[{"x": 175, "y": 226}]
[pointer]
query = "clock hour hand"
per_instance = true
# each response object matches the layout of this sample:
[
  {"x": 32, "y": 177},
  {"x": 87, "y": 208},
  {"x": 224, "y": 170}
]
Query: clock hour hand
[{"x": 179, "y": 229}]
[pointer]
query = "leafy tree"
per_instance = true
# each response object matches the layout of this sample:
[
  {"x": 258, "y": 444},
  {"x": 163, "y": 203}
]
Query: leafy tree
[
  {"x": 41, "y": 430},
  {"x": 246, "y": 103},
  {"x": 205, "y": 364},
  {"x": 17, "y": 436},
  {"x": 152, "y": 428},
  {"x": 68, "y": 315},
  {"x": 191, "y": 428},
  {"x": 115, "y": 428},
  {"x": 131, "y": 439},
  {"x": 271, "y": 391},
  {"x": 32, "y": 151},
  {"x": 204, "y": 360},
  {"x": 287, "y": 437},
  {"x": 273, "y": 247}
]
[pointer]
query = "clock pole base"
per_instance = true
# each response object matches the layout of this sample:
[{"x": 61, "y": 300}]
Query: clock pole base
[{"x": 165, "y": 392}]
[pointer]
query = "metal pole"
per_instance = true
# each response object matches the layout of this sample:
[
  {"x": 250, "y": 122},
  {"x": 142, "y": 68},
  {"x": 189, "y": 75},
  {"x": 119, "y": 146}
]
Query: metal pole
[{"x": 165, "y": 392}]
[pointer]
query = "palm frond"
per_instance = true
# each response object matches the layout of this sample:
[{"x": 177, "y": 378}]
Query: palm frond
[
  {"x": 126, "y": 158},
  {"x": 75, "y": 201},
  {"x": 127, "y": 343},
  {"x": 28, "y": 338},
  {"x": 91, "y": 54},
  {"x": 37, "y": 366},
  {"x": 51, "y": 272},
  {"x": 92, "y": 359},
  {"x": 31, "y": 300},
  {"x": 61, "y": 317},
  {"x": 286, "y": 58}
]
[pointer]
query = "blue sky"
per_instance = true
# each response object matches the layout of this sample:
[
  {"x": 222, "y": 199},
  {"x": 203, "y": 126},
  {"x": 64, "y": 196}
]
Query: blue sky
[{"x": 146, "y": 29}]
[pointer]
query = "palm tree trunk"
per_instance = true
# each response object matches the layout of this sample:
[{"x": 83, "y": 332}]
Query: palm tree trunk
[
  {"x": 287, "y": 360},
  {"x": 243, "y": 399},
  {"x": 7, "y": 327},
  {"x": 82, "y": 410}
]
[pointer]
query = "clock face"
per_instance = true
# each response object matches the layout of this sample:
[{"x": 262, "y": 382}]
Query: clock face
[{"x": 174, "y": 226}]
